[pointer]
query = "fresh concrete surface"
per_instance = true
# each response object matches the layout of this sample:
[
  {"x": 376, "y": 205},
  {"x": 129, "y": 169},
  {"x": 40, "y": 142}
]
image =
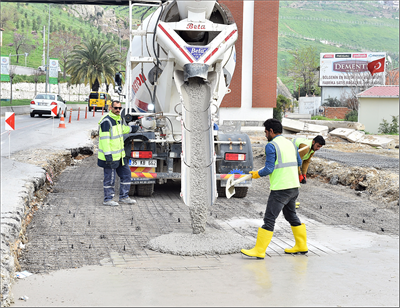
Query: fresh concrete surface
[{"x": 350, "y": 268}]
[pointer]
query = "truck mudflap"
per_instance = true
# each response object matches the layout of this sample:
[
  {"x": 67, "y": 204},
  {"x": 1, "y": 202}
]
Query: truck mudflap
[{"x": 149, "y": 175}]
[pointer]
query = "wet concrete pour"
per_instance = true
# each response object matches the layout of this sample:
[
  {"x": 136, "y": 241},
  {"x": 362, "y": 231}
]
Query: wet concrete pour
[{"x": 74, "y": 228}]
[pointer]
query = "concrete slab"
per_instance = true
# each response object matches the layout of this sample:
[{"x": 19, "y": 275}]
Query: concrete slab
[
  {"x": 355, "y": 136},
  {"x": 342, "y": 132},
  {"x": 378, "y": 141},
  {"x": 337, "y": 124},
  {"x": 344, "y": 267},
  {"x": 314, "y": 128},
  {"x": 292, "y": 125}
]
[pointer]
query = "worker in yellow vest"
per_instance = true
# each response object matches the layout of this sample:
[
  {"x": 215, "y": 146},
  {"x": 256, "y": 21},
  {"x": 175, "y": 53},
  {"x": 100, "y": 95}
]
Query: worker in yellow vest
[
  {"x": 307, "y": 148},
  {"x": 281, "y": 164},
  {"x": 112, "y": 157}
]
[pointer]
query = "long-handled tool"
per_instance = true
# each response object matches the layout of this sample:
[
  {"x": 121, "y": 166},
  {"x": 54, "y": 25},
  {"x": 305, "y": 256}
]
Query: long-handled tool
[{"x": 230, "y": 184}]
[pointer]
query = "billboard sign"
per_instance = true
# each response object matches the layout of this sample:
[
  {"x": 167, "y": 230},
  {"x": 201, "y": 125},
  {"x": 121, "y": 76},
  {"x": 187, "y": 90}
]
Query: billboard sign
[
  {"x": 339, "y": 69},
  {"x": 5, "y": 68},
  {"x": 53, "y": 71}
]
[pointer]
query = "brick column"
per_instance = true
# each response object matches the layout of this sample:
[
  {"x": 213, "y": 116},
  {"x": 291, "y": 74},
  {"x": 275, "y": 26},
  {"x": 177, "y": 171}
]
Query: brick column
[{"x": 265, "y": 53}]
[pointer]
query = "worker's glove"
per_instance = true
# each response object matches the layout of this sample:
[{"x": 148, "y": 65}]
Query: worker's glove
[
  {"x": 254, "y": 174},
  {"x": 304, "y": 180},
  {"x": 134, "y": 128},
  {"x": 109, "y": 159},
  {"x": 301, "y": 178}
]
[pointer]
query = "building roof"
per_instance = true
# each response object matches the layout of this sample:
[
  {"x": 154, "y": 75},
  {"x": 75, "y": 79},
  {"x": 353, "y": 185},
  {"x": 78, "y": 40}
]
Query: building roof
[{"x": 381, "y": 91}]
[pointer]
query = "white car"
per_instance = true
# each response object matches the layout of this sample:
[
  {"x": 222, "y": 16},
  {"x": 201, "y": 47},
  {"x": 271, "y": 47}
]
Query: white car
[{"x": 43, "y": 103}]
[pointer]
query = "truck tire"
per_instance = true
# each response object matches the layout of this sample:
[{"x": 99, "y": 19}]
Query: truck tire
[
  {"x": 145, "y": 190},
  {"x": 90, "y": 109},
  {"x": 220, "y": 190},
  {"x": 132, "y": 190},
  {"x": 240, "y": 192}
]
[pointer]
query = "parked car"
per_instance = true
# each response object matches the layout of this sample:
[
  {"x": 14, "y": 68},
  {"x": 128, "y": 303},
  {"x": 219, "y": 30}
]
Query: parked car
[{"x": 43, "y": 103}]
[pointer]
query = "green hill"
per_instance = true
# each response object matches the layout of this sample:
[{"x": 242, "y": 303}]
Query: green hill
[
  {"x": 329, "y": 26},
  {"x": 336, "y": 26}
]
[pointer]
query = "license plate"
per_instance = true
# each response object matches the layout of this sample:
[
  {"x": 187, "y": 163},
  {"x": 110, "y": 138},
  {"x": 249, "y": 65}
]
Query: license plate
[
  {"x": 143, "y": 162},
  {"x": 42, "y": 104}
]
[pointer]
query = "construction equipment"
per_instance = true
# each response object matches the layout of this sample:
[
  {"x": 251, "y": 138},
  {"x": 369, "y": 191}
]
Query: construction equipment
[
  {"x": 230, "y": 184},
  {"x": 179, "y": 67}
]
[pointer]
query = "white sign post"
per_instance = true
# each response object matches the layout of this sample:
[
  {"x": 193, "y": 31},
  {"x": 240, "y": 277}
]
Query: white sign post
[{"x": 9, "y": 125}]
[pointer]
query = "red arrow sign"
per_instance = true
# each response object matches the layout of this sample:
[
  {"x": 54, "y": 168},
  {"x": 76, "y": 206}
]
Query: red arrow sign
[
  {"x": 10, "y": 121},
  {"x": 54, "y": 111}
]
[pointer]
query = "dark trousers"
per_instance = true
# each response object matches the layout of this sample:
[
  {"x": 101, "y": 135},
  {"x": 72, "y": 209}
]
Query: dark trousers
[
  {"x": 124, "y": 173},
  {"x": 281, "y": 200}
]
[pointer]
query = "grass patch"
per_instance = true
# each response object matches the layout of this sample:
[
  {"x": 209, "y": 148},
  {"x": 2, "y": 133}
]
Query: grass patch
[{"x": 324, "y": 118}]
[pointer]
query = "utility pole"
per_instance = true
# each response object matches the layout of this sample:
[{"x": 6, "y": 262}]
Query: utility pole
[
  {"x": 48, "y": 59},
  {"x": 44, "y": 47}
]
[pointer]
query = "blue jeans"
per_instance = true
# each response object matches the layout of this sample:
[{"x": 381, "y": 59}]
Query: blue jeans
[
  {"x": 124, "y": 174},
  {"x": 281, "y": 200}
]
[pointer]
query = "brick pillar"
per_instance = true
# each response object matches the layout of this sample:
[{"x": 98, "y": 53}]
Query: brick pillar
[
  {"x": 233, "y": 99},
  {"x": 265, "y": 53}
]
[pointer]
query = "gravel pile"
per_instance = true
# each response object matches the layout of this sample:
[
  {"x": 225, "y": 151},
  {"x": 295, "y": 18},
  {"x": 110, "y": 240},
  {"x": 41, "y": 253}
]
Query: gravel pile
[
  {"x": 211, "y": 242},
  {"x": 360, "y": 159}
]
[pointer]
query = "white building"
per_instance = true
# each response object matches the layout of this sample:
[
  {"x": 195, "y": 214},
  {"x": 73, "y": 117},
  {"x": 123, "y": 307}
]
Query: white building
[{"x": 376, "y": 104}]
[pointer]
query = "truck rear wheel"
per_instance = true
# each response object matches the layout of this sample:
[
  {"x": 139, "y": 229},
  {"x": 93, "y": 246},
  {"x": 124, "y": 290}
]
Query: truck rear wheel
[
  {"x": 240, "y": 192},
  {"x": 132, "y": 190},
  {"x": 220, "y": 190},
  {"x": 145, "y": 190}
]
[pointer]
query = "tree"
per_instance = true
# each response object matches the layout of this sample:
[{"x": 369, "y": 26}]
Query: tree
[
  {"x": 93, "y": 62},
  {"x": 6, "y": 14},
  {"x": 21, "y": 43},
  {"x": 61, "y": 44},
  {"x": 359, "y": 81},
  {"x": 303, "y": 68},
  {"x": 282, "y": 103},
  {"x": 36, "y": 75},
  {"x": 11, "y": 73},
  {"x": 332, "y": 102}
]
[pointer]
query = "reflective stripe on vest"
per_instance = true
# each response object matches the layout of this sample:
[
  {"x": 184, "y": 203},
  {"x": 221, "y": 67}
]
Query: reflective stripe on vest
[{"x": 285, "y": 174}]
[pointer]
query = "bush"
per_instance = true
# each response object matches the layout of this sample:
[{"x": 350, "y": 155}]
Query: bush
[
  {"x": 281, "y": 104},
  {"x": 351, "y": 116},
  {"x": 389, "y": 128}
]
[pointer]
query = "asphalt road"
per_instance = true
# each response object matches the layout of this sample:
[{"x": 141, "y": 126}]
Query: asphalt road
[{"x": 44, "y": 133}]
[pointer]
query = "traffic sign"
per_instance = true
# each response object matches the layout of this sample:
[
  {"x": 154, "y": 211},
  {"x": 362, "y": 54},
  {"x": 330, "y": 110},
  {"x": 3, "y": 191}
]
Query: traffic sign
[
  {"x": 10, "y": 121},
  {"x": 54, "y": 111}
]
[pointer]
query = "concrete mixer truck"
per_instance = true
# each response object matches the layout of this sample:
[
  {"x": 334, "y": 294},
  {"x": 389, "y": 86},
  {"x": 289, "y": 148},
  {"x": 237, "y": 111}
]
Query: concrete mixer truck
[{"x": 179, "y": 67}]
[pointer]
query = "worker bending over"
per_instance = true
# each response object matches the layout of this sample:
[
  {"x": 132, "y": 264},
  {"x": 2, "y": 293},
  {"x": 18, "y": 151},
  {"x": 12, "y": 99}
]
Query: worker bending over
[
  {"x": 281, "y": 164},
  {"x": 307, "y": 148}
]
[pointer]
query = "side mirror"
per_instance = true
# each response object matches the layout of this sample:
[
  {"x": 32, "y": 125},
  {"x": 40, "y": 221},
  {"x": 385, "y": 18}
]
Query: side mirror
[{"x": 118, "y": 79}]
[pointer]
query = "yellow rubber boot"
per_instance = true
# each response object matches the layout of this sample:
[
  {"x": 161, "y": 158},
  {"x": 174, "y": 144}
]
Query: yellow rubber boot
[
  {"x": 263, "y": 239},
  {"x": 300, "y": 235}
]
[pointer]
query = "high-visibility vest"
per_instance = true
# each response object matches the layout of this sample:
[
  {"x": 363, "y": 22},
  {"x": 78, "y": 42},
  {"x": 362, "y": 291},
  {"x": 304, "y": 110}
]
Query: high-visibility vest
[
  {"x": 112, "y": 141},
  {"x": 298, "y": 141},
  {"x": 285, "y": 174}
]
